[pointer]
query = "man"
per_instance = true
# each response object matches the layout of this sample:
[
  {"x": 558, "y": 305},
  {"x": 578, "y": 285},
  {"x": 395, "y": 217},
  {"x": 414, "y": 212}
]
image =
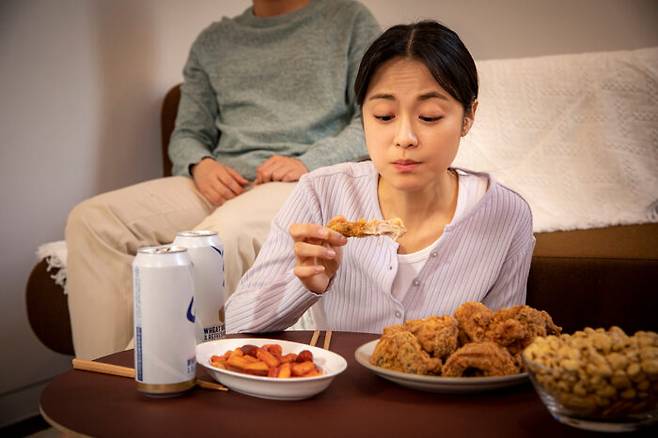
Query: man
[{"x": 267, "y": 96}]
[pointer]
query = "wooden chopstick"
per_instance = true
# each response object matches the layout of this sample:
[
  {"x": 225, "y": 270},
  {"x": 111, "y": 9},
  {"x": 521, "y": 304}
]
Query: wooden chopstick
[
  {"x": 327, "y": 340},
  {"x": 314, "y": 338},
  {"x": 118, "y": 370},
  {"x": 209, "y": 385},
  {"x": 103, "y": 368}
]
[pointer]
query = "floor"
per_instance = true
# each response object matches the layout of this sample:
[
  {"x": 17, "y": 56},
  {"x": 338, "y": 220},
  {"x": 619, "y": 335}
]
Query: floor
[
  {"x": 30, "y": 427},
  {"x": 46, "y": 433}
]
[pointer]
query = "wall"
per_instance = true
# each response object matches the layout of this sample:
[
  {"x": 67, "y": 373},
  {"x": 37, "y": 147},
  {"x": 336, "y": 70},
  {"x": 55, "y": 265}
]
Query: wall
[
  {"x": 82, "y": 81},
  {"x": 520, "y": 28}
]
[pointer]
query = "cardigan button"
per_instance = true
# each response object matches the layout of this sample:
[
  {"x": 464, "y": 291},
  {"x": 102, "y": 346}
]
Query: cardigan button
[
  {"x": 416, "y": 282},
  {"x": 434, "y": 254},
  {"x": 398, "y": 314}
]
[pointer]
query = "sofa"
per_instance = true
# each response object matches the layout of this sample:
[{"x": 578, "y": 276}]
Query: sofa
[{"x": 594, "y": 277}]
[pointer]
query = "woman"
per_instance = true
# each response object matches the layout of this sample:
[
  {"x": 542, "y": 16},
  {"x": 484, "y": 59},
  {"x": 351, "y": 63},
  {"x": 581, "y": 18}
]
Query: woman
[{"x": 469, "y": 238}]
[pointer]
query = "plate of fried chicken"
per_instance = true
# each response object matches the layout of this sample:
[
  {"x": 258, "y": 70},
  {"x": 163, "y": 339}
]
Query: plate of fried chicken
[{"x": 476, "y": 349}]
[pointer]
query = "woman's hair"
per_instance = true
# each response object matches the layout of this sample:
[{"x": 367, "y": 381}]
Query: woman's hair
[{"x": 431, "y": 43}]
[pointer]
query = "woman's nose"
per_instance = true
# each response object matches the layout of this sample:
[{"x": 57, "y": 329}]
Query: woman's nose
[{"x": 405, "y": 136}]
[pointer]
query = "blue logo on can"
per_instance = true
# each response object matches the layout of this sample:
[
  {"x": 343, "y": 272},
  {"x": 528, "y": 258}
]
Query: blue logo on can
[{"x": 190, "y": 315}]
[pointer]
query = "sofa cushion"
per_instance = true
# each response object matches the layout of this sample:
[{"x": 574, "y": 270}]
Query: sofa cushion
[
  {"x": 582, "y": 292},
  {"x": 597, "y": 277}
]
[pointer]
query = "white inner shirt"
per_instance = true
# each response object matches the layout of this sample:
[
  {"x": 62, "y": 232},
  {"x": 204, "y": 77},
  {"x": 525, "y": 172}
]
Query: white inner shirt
[{"x": 470, "y": 189}]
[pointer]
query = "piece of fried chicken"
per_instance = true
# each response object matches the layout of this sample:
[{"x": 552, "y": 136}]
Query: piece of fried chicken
[
  {"x": 436, "y": 334},
  {"x": 480, "y": 359},
  {"x": 516, "y": 327},
  {"x": 474, "y": 319},
  {"x": 392, "y": 329},
  {"x": 399, "y": 350},
  {"x": 362, "y": 228}
]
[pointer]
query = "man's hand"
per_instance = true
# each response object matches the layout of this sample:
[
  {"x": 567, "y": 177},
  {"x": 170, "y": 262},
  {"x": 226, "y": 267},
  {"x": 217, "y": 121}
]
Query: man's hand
[
  {"x": 280, "y": 168},
  {"x": 216, "y": 182}
]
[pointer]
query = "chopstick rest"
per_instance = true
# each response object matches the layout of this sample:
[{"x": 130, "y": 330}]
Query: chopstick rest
[{"x": 118, "y": 370}]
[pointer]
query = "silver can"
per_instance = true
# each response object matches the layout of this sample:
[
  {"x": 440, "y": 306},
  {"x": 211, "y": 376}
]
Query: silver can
[
  {"x": 163, "y": 296},
  {"x": 207, "y": 254}
]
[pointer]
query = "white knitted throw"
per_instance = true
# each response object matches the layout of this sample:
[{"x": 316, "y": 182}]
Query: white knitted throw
[
  {"x": 55, "y": 254},
  {"x": 575, "y": 135}
]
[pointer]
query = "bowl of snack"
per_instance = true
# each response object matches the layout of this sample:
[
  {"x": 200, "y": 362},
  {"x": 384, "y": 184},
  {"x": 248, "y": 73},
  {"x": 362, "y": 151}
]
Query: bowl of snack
[
  {"x": 268, "y": 368},
  {"x": 602, "y": 380}
]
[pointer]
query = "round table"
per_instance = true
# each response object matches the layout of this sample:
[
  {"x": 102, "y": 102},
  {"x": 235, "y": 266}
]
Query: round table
[{"x": 358, "y": 403}]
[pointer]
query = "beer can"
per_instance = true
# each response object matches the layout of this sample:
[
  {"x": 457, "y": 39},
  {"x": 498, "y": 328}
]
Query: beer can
[
  {"x": 207, "y": 254},
  {"x": 163, "y": 295}
]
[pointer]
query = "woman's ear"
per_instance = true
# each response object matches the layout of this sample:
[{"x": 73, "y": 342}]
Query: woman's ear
[{"x": 469, "y": 117}]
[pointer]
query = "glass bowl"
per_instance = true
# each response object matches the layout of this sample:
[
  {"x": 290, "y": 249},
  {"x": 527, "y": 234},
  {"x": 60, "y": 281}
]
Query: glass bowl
[{"x": 597, "y": 411}]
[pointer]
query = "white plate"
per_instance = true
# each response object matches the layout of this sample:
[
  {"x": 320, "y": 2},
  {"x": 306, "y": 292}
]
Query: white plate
[
  {"x": 272, "y": 388},
  {"x": 435, "y": 383}
]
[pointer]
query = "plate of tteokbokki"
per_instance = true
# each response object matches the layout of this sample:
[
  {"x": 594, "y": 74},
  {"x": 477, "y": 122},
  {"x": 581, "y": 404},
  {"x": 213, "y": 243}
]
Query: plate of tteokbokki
[
  {"x": 475, "y": 349},
  {"x": 269, "y": 368}
]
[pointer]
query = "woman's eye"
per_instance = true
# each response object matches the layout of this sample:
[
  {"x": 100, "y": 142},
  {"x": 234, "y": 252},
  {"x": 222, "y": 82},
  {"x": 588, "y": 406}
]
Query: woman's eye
[
  {"x": 430, "y": 118},
  {"x": 385, "y": 118}
]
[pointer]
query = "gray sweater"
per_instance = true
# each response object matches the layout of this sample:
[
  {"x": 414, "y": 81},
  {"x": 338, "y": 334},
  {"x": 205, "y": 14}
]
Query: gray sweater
[{"x": 261, "y": 86}]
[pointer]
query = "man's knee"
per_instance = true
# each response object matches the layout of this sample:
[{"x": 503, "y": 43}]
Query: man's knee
[
  {"x": 81, "y": 219},
  {"x": 230, "y": 227}
]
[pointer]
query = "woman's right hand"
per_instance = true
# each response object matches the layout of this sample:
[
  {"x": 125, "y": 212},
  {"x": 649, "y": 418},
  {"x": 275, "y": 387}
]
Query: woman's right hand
[{"x": 318, "y": 253}]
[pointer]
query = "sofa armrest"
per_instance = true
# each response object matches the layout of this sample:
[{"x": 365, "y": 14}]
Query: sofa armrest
[
  {"x": 48, "y": 311},
  {"x": 167, "y": 124}
]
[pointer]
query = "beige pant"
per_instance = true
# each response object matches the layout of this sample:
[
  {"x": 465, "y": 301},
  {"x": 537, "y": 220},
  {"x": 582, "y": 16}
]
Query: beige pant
[{"x": 103, "y": 234}]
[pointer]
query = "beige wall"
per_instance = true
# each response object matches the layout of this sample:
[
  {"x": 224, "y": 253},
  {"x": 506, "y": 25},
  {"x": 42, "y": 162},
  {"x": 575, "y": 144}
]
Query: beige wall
[
  {"x": 520, "y": 28},
  {"x": 81, "y": 84}
]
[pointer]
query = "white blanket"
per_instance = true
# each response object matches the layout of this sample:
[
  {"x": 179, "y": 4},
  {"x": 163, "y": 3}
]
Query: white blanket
[
  {"x": 55, "y": 254},
  {"x": 575, "y": 135}
]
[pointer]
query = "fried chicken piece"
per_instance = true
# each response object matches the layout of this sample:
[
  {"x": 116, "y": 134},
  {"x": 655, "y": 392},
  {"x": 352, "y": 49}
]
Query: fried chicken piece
[
  {"x": 518, "y": 361},
  {"x": 480, "y": 359},
  {"x": 436, "y": 334},
  {"x": 399, "y": 350},
  {"x": 393, "y": 228},
  {"x": 516, "y": 327},
  {"x": 392, "y": 329},
  {"x": 474, "y": 319}
]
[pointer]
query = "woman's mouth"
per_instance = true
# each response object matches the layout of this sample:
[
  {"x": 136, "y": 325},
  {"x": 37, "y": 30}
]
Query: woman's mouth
[{"x": 405, "y": 165}]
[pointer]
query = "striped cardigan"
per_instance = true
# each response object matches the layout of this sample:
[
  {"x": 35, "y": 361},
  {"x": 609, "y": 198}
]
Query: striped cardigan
[{"x": 483, "y": 256}]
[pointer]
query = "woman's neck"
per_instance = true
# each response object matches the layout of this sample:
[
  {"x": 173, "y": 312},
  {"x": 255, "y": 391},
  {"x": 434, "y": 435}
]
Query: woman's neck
[
  {"x": 272, "y": 8},
  {"x": 424, "y": 213}
]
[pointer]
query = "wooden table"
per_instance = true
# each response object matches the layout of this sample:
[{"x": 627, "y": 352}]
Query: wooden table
[{"x": 358, "y": 403}]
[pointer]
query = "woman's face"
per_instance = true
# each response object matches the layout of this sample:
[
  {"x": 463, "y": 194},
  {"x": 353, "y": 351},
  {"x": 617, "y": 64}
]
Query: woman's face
[{"x": 412, "y": 126}]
